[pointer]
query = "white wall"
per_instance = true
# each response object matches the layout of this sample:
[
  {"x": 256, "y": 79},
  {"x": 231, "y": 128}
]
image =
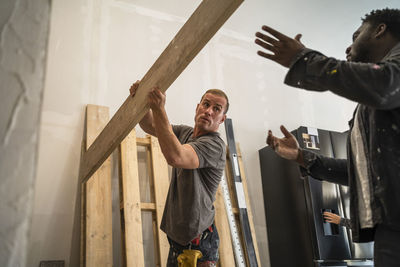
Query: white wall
[
  {"x": 97, "y": 48},
  {"x": 24, "y": 27}
]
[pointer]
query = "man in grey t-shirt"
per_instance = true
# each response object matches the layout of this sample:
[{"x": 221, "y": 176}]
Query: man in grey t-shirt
[{"x": 197, "y": 156}]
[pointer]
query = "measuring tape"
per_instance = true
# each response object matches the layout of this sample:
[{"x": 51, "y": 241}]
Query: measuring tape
[
  {"x": 232, "y": 224},
  {"x": 240, "y": 197}
]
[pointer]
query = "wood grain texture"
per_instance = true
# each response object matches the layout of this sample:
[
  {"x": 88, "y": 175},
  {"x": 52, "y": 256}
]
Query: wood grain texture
[
  {"x": 226, "y": 256},
  {"x": 98, "y": 248},
  {"x": 192, "y": 37},
  {"x": 161, "y": 186},
  {"x": 134, "y": 253},
  {"x": 246, "y": 194}
]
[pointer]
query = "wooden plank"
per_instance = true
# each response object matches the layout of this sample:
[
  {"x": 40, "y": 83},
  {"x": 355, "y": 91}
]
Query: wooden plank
[
  {"x": 246, "y": 193},
  {"x": 235, "y": 210},
  {"x": 226, "y": 256},
  {"x": 140, "y": 141},
  {"x": 134, "y": 254},
  {"x": 230, "y": 184},
  {"x": 161, "y": 185},
  {"x": 83, "y": 210},
  {"x": 149, "y": 166},
  {"x": 98, "y": 198},
  {"x": 83, "y": 226},
  {"x": 157, "y": 259},
  {"x": 192, "y": 37},
  {"x": 143, "y": 206},
  {"x": 148, "y": 206}
]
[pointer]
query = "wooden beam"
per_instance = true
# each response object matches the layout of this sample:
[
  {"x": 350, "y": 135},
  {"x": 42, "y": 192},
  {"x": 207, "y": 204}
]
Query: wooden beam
[{"x": 192, "y": 37}]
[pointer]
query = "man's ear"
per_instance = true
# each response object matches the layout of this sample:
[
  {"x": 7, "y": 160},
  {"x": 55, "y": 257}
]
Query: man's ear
[
  {"x": 223, "y": 119},
  {"x": 380, "y": 30}
]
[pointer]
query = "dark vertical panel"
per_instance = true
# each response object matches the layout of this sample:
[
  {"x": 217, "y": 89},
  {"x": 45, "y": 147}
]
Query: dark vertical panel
[{"x": 286, "y": 214}]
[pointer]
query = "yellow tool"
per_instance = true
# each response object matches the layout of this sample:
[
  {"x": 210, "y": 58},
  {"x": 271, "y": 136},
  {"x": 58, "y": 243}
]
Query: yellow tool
[{"x": 189, "y": 258}]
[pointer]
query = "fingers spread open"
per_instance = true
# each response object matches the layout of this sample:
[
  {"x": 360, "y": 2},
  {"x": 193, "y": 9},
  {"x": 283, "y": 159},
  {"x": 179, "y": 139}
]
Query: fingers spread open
[
  {"x": 266, "y": 55},
  {"x": 266, "y": 45},
  {"x": 275, "y": 33},
  {"x": 266, "y": 38}
]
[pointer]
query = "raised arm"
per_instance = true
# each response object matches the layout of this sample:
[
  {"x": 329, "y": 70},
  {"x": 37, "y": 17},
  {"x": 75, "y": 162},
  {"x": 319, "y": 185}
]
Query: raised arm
[
  {"x": 371, "y": 84},
  {"x": 176, "y": 154}
]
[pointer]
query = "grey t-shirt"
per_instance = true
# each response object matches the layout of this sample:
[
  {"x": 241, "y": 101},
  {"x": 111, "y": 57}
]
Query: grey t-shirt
[{"x": 189, "y": 206}]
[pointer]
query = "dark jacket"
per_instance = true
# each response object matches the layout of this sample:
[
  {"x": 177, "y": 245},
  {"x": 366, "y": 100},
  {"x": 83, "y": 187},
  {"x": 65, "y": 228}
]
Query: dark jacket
[{"x": 376, "y": 87}]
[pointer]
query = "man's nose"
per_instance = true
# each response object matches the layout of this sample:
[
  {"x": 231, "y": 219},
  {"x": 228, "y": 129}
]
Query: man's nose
[{"x": 209, "y": 111}]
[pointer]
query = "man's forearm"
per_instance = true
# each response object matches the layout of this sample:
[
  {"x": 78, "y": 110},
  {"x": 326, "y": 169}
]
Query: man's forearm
[
  {"x": 170, "y": 145},
  {"x": 147, "y": 123},
  {"x": 324, "y": 168}
]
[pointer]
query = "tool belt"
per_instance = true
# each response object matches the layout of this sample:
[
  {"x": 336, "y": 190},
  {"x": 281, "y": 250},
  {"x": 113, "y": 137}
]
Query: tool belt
[
  {"x": 190, "y": 256},
  {"x": 196, "y": 241}
]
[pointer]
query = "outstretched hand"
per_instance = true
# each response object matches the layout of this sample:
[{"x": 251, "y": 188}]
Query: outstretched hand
[
  {"x": 284, "y": 48},
  {"x": 286, "y": 147}
]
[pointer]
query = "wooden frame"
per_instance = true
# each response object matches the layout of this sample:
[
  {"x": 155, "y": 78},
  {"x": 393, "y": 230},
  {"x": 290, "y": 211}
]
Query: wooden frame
[{"x": 131, "y": 205}]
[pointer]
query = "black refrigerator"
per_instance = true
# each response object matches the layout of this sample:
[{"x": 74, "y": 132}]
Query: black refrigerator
[{"x": 297, "y": 232}]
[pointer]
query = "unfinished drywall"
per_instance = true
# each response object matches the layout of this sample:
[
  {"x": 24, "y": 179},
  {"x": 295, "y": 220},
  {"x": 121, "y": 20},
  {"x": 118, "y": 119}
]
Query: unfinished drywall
[
  {"x": 97, "y": 48},
  {"x": 23, "y": 39}
]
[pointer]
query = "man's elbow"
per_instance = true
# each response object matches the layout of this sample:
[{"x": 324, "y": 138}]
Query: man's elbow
[
  {"x": 148, "y": 129},
  {"x": 178, "y": 162},
  {"x": 173, "y": 160}
]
